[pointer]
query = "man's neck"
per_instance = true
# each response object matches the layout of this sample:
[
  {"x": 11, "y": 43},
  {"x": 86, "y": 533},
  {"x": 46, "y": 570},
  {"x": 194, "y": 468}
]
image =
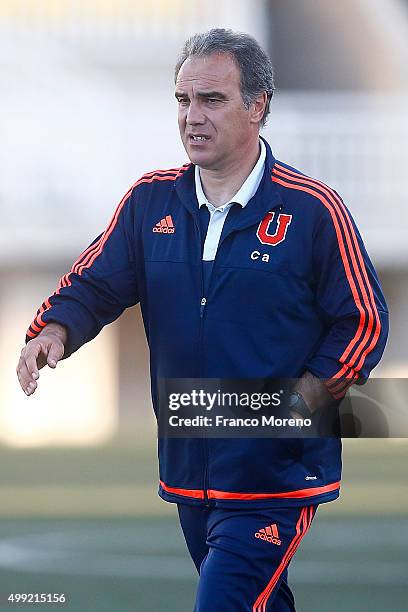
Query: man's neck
[{"x": 221, "y": 185}]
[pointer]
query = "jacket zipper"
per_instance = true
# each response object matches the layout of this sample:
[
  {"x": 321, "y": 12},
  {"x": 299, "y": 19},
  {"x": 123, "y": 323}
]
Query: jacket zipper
[{"x": 203, "y": 302}]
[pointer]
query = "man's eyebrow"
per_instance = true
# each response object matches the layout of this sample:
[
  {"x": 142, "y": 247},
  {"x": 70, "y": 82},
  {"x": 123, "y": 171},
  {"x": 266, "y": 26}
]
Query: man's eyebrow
[
  {"x": 212, "y": 94},
  {"x": 203, "y": 94}
]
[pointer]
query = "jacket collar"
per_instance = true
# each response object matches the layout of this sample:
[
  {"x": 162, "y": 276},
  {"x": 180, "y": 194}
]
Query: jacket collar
[{"x": 265, "y": 199}]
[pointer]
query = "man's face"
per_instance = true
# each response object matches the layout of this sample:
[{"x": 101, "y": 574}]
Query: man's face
[{"x": 215, "y": 126}]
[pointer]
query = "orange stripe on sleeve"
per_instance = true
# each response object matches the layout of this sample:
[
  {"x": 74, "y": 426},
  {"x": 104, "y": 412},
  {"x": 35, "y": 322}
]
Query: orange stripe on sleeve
[
  {"x": 113, "y": 222},
  {"x": 169, "y": 171},
  {"x": 340, "y": 390},
  {"x": 35, "y": 327},
  {"x": 351, "y": 239},
  {"x": 86, "y": 259},
  {"x": 371, "y": 302}
]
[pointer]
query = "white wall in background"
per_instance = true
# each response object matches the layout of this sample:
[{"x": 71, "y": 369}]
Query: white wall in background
[{"x": 74, "y": 404}]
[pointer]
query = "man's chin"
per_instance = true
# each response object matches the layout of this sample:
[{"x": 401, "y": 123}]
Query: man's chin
[
  {"x": 195, "y": 156},
  {"x": 198, "y": 156},
  {"x": 202, "y": 160}
]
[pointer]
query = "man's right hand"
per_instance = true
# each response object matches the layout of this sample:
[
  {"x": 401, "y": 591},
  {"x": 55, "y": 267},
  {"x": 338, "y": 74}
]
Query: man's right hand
[{"x": 47, "y": 348}]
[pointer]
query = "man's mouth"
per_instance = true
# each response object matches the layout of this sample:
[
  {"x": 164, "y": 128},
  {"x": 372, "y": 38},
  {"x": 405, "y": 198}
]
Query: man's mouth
[{"x": 199, "y": 138}]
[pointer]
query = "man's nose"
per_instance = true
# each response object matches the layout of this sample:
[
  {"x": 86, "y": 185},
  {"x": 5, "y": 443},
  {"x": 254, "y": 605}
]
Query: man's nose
[{"x": 194, "y": 114}]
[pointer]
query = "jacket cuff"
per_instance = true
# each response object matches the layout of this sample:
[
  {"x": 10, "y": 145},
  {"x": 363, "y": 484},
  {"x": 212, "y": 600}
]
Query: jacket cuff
[
  {"x": 77, "y": 321},
  {"x": 336, "y": 376}
]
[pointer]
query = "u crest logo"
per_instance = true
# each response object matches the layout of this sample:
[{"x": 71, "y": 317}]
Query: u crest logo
[{"x": 280, "y": 232}]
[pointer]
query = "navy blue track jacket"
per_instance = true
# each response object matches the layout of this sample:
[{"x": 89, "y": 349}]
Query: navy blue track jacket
[{"x": 292, "y": 289}]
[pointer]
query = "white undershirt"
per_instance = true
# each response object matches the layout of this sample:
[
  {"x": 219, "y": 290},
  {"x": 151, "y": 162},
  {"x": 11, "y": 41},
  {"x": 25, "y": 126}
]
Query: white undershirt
[{"x": 218, "y": 214}]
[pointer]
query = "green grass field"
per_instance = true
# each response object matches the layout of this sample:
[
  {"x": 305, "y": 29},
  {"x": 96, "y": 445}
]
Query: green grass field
[{"x": 87, "y": 523}]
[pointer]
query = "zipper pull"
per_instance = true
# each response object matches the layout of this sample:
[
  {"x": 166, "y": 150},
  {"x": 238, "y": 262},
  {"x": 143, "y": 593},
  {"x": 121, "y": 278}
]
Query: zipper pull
[{"x": 203, "y": 303}]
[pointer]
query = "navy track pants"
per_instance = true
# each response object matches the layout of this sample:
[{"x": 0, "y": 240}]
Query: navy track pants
[{"x": 242, "y": 555}]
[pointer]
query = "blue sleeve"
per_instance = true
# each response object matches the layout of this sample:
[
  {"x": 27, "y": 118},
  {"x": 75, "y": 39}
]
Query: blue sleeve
[
  {"x": 350, "y": 302},
  {"x": 100, "y": 285}
]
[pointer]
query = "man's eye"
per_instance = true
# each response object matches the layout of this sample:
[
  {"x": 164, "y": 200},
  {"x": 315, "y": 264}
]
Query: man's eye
[{"x": 183, "y": 101}]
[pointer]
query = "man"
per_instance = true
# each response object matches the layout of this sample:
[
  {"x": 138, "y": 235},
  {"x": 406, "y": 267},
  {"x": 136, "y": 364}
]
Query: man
[{"x": 244, "y": 268}]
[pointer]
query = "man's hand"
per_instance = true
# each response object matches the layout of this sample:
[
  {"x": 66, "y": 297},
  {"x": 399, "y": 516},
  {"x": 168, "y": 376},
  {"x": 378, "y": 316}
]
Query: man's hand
[
  {"x": 314, "y": 392},
  {"x": 47, "y": 348}
]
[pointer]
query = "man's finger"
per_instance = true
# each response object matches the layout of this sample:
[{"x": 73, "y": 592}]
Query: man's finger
[
  {"x": 31, "y": 357},
  {"x": 28, "y": 384},
  {"x": 31, "y": 388},
  {"x": 55, "y": 353},
  {"x": 27, "y": 367}
]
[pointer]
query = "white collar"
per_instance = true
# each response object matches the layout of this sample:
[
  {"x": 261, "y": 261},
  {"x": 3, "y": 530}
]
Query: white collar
[{"x": 246, "y": 191}]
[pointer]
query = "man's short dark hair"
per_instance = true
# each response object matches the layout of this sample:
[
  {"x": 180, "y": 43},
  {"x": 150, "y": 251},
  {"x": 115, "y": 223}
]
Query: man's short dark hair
[{"x": 253, "y": 63}]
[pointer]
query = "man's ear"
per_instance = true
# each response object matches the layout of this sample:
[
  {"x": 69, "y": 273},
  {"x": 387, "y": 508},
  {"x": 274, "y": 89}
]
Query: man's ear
[{"x": 257, "y": 108}]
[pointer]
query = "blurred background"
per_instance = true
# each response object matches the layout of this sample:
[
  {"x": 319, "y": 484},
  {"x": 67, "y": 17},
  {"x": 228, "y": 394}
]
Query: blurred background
[{"x": 87, "y": 106}]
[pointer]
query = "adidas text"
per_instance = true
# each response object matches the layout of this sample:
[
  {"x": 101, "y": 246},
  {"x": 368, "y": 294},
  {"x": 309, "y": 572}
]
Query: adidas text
[
  {"x": 164, "y": 230},
  {"x": 263, "y": 536}
]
